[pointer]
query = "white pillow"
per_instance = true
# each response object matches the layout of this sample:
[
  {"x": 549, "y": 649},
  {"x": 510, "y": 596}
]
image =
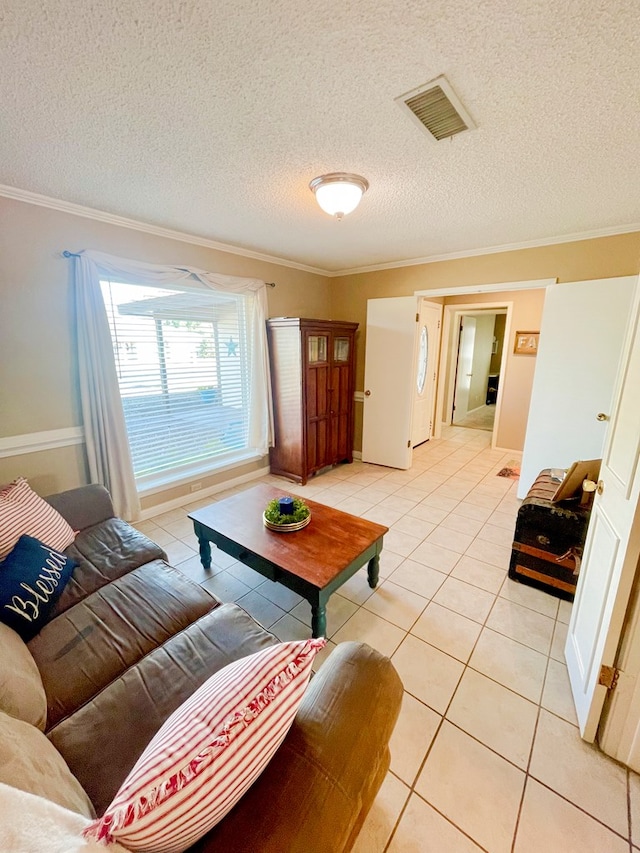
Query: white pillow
[{"x": 31, "y": 824}]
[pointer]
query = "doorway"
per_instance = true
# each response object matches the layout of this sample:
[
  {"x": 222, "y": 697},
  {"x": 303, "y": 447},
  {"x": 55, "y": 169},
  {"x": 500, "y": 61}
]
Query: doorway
[{"x": 475, "y": 370}]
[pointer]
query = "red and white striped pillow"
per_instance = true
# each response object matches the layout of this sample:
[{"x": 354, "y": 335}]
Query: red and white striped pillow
[
  {"x": 209, "y": 751},
  {"x": 23, "y": 511}
]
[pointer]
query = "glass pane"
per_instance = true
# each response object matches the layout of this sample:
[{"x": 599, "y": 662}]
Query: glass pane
[
  {"x": 423, "y": 354},
  {"x": 317, "y": 348},
  {"x": 341, "y": 349}
]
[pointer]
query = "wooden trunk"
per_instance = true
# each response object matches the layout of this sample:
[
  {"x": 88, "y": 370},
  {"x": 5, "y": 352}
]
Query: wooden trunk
[
  {"x": 313, "y": 377},
  {"x": 548, "y": 540}
]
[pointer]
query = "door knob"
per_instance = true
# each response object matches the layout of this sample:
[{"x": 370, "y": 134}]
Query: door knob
[
  {"x": 367, "y": 393},
  {"x": 602, "y": 417},
  {"x": 600, "y": 488}
]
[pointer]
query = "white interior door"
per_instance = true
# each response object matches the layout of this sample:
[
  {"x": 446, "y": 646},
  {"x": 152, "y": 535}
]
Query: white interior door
[
  {"x": 389, "y": 381},
  {"x": 428, "y": 349},
  {"x": 465, "y": 368},
  {"x": 581, "y": 335},
  {"x": 612, "y": 547}
]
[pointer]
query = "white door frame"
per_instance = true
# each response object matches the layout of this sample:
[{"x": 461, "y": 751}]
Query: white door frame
[{"x": 451, "y": 328}]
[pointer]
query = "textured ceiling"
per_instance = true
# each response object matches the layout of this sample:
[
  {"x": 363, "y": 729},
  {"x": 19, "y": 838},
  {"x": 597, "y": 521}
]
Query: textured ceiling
[{"x": 211, "y": 118}]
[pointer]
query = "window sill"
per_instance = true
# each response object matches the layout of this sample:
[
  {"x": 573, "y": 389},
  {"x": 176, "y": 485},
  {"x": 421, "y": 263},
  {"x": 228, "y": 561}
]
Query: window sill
[{"x": 170, "y": 479}]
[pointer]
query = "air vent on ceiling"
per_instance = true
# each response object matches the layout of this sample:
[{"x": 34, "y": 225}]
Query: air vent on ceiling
[{"x": 436, "y": 107}]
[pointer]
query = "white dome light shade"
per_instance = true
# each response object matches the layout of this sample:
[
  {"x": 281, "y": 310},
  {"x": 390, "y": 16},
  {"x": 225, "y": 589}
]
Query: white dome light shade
[{"x": 339, "y": 193}]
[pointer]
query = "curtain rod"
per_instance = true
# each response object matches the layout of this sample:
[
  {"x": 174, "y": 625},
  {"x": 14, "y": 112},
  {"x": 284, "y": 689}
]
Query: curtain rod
[{"x": 68, "y": 254}]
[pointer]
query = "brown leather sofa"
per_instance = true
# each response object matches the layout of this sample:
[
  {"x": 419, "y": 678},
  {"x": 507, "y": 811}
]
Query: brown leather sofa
[{"x": 131, "y": 638}]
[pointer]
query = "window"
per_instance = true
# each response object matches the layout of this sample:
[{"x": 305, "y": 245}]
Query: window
[{"x": 183, "y": 359}]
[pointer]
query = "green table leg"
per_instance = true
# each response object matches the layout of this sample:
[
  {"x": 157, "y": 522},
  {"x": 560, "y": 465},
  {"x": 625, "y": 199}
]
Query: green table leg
[
  {"x": 318, "y": 620},
  {"x": 205, "y": 552},
  {"x": 373, "y": 571}
]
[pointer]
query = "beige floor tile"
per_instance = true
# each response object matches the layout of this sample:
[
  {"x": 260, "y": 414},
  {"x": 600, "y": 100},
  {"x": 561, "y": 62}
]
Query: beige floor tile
[
  {"x": 388, "y": 562},
  {"x": 472, "y": 786},
  {"x": 396, "y": 604},
  {"x": 427, "y": 512},
  {"x": 400, "y": 543},
  {"x": 412, "y": 736},
  {"x": 522, "y": 624},
  {"x": 496, "y": 716},
  {"x": 418, "y": 578},
  {"x": 550, "y": 824},
  {"x": 263, "y": 611},
  {"x": 193, "y": 569},
  {"x": 279, "y": 594},
  {"x": 382, "y": 515},
  {"x": 564, "y": 611},
  {"x": 339, "y": 609},
  {"x": 181, "y": 529},
  {"x": 497, "y": 535},
  {"x": 482, "y": 499},
  {"x": 455, "y": 521},
  {"x": 225, "y": 587},
  {"x": 477, "y": 573},
  {"x": 479, "y": 513},
  {"x": 246, "y": 575},
  {"x": 488, "y": 552},
  {"x": 422, "y": 829},
  {"x": 394, "y": 502},
  {"x": 440, "y": 501},
  {"x": 510, "y": 663},
  {"x": 414, "y": 526},
  {"x": 451, "y": 539},
  {"x": 383, "y": 816},
  {"x": 357, "y": 588},
  {"x": 410, "y": 493},
  {"x": 162, "y": 537},
  {"x": 427, "y": 673},
  {"x": 469, "y": 601},
  {"x": 436, "y": 557},
  {"x": 348, "y": 489},
  {"x": 221, "y": 559},
  {"x": 559, "y": 641},
  {"x": 453, "y": 489},
  {"x": 366, "y": 627},
  {"x": 503, "y": 519},
  {"x": 372, "y": 494},
  {"x": 178, "y": 551},
  {"x": 169, "y": 517},
  {"x": 355, "y": 505},
  {"x": 556, "y": 696},
  {"x": 528, "y": 596},
  {"x": 290, "y": 628},
  {"x": 579, "y": 771},
  {"x": 448, "y": 631},
  {"x": 147, "y": 527}
]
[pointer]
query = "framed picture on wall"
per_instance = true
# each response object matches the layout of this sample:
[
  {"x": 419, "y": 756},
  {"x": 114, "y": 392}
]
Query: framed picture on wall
[{"x": 526, "y": 343}]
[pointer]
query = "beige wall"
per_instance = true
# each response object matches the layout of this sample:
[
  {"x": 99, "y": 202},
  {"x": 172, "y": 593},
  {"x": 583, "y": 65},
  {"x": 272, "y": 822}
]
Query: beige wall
[
  {"x": 582, "y": 260},
  {"x": 38, "y": 377}
]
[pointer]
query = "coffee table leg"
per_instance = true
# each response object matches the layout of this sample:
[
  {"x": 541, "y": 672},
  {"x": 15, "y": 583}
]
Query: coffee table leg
[
  {"x": 205, "y": 553},
  {"x": 373, "y": 571},
  {"x": 318, "y": 620}
]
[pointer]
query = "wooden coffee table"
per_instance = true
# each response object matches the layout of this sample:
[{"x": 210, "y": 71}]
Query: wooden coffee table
[{"x": 313, "y": 562}]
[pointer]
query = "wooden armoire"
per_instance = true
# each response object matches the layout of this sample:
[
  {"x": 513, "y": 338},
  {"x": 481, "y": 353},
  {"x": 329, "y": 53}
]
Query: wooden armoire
[{"x": 313, "y": 376}]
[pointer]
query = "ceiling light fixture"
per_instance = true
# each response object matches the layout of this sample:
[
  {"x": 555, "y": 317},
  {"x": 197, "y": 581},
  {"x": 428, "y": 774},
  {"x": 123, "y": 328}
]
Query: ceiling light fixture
[{"x": 339, "y": 193}]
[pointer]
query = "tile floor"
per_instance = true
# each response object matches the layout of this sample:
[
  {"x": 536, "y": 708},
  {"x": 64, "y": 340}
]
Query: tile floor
[{"x": 486, "y": 754}]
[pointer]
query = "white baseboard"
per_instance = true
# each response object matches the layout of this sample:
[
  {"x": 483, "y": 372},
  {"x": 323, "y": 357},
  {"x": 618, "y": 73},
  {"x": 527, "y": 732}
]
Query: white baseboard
[
  {"x": 151, "y": 512},
  {"x": 357, "y": 454}
]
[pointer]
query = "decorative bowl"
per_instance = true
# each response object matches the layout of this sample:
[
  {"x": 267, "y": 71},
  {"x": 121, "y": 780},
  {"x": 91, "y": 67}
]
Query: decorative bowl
[{"x": 286, "y": 528}]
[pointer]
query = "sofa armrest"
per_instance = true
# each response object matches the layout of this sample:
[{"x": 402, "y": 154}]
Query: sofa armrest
[
  {"x": 83, "y": 507},
  {"x": 316, "y": 791}
]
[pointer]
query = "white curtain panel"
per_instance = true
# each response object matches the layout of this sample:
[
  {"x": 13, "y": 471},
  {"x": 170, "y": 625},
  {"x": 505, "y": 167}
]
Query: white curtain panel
[{"x": 106, "y": 435}]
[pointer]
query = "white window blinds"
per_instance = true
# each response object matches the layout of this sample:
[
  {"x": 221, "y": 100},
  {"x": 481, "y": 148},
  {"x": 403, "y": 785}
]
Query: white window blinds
[{"x": 184, "y": 359}]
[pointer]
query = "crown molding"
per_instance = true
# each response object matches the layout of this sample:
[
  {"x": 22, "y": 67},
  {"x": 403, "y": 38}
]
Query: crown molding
[
  {"x": 493, "y": 250},
  {"x": 29, "y": 197},
  {"x": 157, "y": 230}
]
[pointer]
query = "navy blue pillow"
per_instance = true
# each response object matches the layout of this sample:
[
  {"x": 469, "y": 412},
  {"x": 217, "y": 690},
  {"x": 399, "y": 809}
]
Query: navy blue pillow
[{"x": 32, "y": 576}]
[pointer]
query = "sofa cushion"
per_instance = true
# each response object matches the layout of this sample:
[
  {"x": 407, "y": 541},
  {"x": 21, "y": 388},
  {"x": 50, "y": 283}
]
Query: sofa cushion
[
  {"x": 21, "y": 690},
  {"x": 49, "y": 827},
  {"x": 29, "y": 762},
  {"x": 23, "y": 511},
  {"x": 128, "y": 712},
  {"x": 209, "y": 752},
  {"x": 100, "y": 637},
  {"x": 32, "y": 576},
  {"x": 102, "y": 553}
]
